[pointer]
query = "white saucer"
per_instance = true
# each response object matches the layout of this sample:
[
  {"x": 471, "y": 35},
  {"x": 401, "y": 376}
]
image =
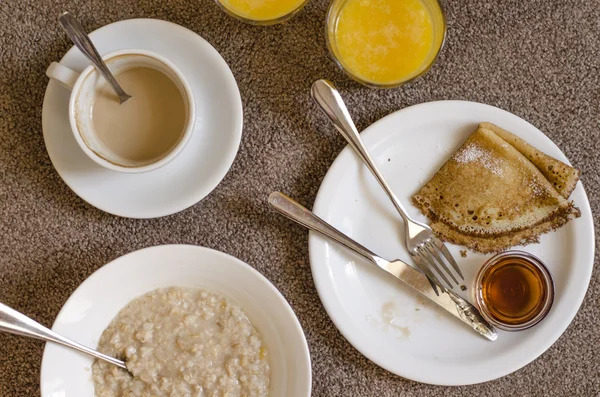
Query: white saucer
[
  {"x": 204, "y": 161},
  {"x": 89, "y": 310},
  {"x": 422, "y": 343}
]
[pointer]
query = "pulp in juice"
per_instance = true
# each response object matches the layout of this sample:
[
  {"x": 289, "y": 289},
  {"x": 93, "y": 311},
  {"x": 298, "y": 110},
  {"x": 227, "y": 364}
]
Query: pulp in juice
[{"x": 385, "y": 42}]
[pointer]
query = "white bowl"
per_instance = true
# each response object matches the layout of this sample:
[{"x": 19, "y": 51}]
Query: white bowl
[{"x": 98, "y": 299}]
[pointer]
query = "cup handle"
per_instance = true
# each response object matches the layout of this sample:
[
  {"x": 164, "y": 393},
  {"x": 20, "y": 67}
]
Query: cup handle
[{"x": 62, "y": 74}]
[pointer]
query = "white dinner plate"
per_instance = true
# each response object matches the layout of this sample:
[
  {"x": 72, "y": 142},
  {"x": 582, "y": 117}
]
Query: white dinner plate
[
  {"x": 98, "y": 299},
  {"x": 204, "y": 161},
  {"x": 385, "y": 321}
]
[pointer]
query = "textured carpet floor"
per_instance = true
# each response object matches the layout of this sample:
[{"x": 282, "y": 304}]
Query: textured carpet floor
[{"x": 537, "y": 59}]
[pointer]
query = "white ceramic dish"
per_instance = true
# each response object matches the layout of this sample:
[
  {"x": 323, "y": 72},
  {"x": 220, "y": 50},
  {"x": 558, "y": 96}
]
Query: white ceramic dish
[
  {"x": 202, "y": 164},
  {"x": 98, "y": 299},
  {"x": 385, "y": 321},
  {"x": 83, "y": 93}
]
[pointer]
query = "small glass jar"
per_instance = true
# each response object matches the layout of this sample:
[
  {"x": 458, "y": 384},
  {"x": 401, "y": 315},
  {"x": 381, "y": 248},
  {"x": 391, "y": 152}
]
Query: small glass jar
[
  {"x": 340, "y": 52},
  {"x": 514, "y": 290},
  {"x": 266, "y": 19}
]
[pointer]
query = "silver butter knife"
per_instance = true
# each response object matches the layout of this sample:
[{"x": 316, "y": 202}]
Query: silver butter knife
[{"x": 448, "y": 300}]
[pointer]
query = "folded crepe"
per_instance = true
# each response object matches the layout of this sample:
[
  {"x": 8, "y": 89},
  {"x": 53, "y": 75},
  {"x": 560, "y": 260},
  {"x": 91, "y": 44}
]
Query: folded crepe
[
  {"x": 562, "y": 176},
  {"x": 497, "y": 191}
]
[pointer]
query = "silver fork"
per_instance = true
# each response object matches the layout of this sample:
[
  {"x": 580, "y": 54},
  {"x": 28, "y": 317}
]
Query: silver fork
[{"x": 429, "y": 252}]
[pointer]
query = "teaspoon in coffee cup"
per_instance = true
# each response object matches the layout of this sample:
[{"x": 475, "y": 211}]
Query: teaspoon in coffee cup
[
  {"x": 13, "y": 322},
  {"x": 83, "y": 42}
]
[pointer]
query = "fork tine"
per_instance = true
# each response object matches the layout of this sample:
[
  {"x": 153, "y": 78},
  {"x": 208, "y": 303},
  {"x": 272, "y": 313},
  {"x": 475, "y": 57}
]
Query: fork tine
[
  {"x": 433, "y": 285},
  {"x": 435, "y": 252},
  {"x": 433, "y": 280},
  {"x": 442, "y": 247},
  {"x": 435, "y": 265},
  {"x": 424, "y": 266}
]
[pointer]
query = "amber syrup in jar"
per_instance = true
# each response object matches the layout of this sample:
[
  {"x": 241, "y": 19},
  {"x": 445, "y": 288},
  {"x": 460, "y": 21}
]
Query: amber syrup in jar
[{"x": 514, "y": 290}]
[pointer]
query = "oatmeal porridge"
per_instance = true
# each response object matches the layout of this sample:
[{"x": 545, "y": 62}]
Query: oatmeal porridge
[{"x": 180, "y": 342}]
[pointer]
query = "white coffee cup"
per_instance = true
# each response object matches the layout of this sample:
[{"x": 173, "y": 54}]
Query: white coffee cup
[{"x": 83, "y": 87}]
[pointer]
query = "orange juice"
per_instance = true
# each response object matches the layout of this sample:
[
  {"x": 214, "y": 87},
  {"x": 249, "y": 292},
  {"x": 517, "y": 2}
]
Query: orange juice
[
  {"x": 385, "y": 42},
  {"x": 262, "y": 10}
]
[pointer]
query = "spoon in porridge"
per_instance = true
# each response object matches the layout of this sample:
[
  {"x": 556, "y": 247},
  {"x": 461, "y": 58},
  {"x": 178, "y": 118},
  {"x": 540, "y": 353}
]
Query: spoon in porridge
[{"x": 13, "y": 322}]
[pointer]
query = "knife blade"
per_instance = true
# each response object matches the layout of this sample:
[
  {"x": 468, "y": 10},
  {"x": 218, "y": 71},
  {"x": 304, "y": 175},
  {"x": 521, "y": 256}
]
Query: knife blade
[{"x": 448, "y": 300}]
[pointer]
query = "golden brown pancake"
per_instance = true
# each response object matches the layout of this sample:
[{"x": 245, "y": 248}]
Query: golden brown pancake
[
  {"x": 562, "y": 176},
  {"x": 489, "y": 196},
  {"x": 491, "y": 244}
]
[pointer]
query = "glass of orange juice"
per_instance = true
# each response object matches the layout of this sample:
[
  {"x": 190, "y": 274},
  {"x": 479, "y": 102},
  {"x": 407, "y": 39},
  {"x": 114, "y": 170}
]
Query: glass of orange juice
[
  {"x": 385, "y": 43},
  {"x": 262, "y": 12}
]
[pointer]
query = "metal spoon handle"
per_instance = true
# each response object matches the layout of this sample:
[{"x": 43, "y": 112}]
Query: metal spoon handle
[
  {"x": 330, "y": 101},
  {"x": 296, "y": 212},
  {"x": 13, "y": 322},
  {"x": 82, "y": 41}
]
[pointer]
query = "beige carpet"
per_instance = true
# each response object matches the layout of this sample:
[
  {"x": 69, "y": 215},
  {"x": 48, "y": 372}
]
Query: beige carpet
[{"x": 537, "y": 59}]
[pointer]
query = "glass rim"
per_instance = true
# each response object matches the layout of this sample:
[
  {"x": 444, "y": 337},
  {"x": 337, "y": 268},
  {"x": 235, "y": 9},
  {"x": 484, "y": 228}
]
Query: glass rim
[
  {"x": 263, "y": 22},
  {"x": 433, "y": 60},
  {"x": 547, "y": 279}
]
